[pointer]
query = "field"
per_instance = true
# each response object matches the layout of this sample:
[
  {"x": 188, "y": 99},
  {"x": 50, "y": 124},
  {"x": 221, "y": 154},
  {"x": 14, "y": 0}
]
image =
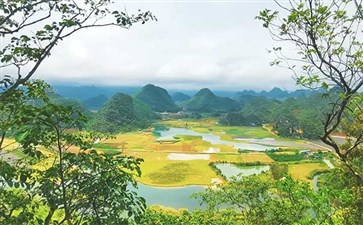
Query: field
[
  {"x": 158, "y": 169},
  {"x": 302, "y": 171}
]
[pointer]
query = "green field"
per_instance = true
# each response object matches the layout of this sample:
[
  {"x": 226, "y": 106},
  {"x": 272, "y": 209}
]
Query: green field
[{"x": 158, "y": 170}]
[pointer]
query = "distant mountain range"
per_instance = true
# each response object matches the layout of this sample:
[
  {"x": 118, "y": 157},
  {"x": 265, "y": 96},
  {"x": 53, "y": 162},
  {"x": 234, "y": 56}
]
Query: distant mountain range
[
  {"x": 85, "y": 92},
  {"x": 276, "y": 93},
  {"x": 206, "y": 101},
  {"x": 159, "y": 99}
]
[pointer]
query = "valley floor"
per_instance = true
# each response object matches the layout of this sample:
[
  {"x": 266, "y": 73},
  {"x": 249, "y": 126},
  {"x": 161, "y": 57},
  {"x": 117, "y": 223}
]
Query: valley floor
[{"x": 185, "y": 159}]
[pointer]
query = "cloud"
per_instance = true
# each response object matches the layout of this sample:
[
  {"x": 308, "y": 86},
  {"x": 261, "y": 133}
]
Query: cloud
[{"x": 193, "y": 45}]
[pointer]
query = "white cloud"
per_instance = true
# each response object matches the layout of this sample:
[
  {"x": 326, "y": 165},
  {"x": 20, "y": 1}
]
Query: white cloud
[{"x": 193, "y": 45}]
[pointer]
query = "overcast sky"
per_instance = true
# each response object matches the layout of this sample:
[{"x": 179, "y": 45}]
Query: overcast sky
[{"x": 193, "y": 44}]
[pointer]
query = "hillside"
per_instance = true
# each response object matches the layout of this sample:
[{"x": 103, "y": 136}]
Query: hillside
[
  {"x": 276, "y": 93},
  {"x": 206, "y": 101},
  {"x": 117, "y": 115},
  {"x": 75, "y": 103},
  {"x": 157, "y": 98},
  {"x": 85, "y": 92},
  {"x": 179, "y": 97},
  {"x": 95, "y": 103}
]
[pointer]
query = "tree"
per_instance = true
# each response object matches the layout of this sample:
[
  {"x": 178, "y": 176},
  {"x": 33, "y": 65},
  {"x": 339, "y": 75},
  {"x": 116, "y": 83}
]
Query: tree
[
  {"x": 77, "y": 185},
  {"x": 259, "y": 200},
  {"x": 118, "y": 114},
  {"x": 287, "y": 125},
  {"x": 327, "y": 36},
  {"x": 279, "y": 171},
  {"x": 233, "y": 119},
  {"x": 31, "y": 29}
]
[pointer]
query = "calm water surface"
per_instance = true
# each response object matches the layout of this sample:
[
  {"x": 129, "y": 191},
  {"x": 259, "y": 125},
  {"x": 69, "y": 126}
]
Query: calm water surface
[
  {"x": 211, "y": 138},
  {"x": 174, "y": 197},
  {"x": 231, "y": 170},
  {"x": 180, "y": 197}
]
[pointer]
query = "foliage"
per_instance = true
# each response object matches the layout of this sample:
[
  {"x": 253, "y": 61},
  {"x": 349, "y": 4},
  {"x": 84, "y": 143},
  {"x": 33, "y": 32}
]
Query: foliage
[
  {"x": 144, "y": 114},
  {"x": 97, "y": 188},
  {"x": 341, "y": 179},
  {"x": 16, "y": 108},
  {"x": 281, "y": 157},
  {"x": 156, "y": 215},
  {"x": 117, "y": 115},
  {"x": 261, "y": 201},
  {"x": 179, "y": 97},
  {"x": 95, "y": 103},
  {"x": 299, "y": 117},
  {"x": 72, "y": 188},
  {"x": 279, "y": 171},
  {"x": 157, "y": 98},
  {"x": 261, "y": 107},
  {"x": 329, "y": 55},
  {"x": 233, "y": 119}
]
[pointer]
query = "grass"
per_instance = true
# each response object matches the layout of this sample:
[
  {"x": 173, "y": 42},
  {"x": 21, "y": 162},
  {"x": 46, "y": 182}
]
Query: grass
[
  {"x": 281, "y": 157},
  {"x": 244, "y": 158},
  {"x": 302, "y": 171},
  {"x": 228, "y": 133},
  {"x": 248, "y": 132},
  {"x": 106, "y": 148},
  {"x": 157, "y": 170},
  {"x": 190, "y": 123}
]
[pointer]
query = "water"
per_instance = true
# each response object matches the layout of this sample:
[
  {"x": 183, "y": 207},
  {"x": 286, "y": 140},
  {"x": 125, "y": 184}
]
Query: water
[
  {"x": 211, "y": 138},
  {"x": 231, "y": 170},
  {"x": 180, "y": 197},
  {"x": 315, "y": 183},
  {"x": 174, "y": 197}
]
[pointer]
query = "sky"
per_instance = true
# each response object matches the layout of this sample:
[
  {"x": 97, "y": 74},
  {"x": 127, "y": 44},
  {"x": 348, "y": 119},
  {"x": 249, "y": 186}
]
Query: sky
[{"x": 194, "y": 44}]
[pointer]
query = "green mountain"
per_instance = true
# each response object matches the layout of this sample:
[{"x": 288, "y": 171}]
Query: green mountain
[
  {"x": 206, "y": 101},
  {"x": 157, "y": 98},
  {"x": 74, "y": 103},
  {"x": 144, "y": 114},
  {"x": 95, "y": 103},
  {"x": 179, "y": 97},
  {"x": 117, "y": 115}
]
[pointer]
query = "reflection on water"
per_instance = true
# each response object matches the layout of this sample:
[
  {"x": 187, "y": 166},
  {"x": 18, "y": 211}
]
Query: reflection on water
[
  {"x": 180, "y": 197},
  {"x": 211, "y": 138},
  {"x": 174, "y": 197},
  {"x": 231, "y": 170}
]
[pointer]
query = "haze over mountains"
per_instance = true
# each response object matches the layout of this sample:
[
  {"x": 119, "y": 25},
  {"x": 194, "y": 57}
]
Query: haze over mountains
[
  {"x": 125, "y": 112},
  {"x": 88, "y": 94},
  {"x": 159, "y": 99},
  {"x": 206, "y": 101}
]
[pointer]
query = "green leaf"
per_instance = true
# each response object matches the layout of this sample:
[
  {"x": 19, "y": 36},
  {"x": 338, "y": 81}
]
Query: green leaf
[{"x": 19, "y": 137}]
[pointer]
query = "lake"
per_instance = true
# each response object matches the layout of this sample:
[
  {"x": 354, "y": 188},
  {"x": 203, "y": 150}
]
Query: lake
[
  {"x": 211, "y": 138},
  {"x": 231, "y": 170},
  {"x": 180, "y": 197},
  {"x": 173, "y": 197}
]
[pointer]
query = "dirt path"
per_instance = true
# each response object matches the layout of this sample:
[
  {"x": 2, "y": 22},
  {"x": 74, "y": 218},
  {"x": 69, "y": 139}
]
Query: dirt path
[{"x": 269, "y": 130}]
